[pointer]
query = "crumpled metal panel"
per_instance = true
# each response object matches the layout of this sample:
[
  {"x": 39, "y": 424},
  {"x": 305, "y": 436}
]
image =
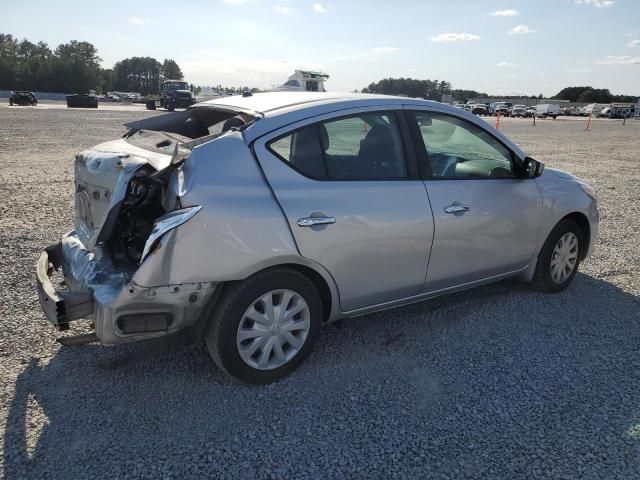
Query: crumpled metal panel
[
  {"x": 101, "y": 177},
  {"x": 239, "y": 230}
]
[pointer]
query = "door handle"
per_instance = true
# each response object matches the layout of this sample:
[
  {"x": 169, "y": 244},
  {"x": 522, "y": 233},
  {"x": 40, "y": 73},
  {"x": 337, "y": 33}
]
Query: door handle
[
  {"x": 311, "y": 221},
  {"x": 456, "y": 208}
]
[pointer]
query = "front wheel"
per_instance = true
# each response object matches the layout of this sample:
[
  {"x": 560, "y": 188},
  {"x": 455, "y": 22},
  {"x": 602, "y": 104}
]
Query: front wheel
[
  {"x": 559, "y": 258},
  {"x": 264, "y": 327}
]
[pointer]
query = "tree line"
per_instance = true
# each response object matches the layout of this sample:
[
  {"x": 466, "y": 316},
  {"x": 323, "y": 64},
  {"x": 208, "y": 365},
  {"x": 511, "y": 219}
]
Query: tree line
[
  {"x": 592, "y": 95},
  {"x": 411, "y": 87},
  {"x": 74, "y": 67},
  {"x": 434, "y": 89}
]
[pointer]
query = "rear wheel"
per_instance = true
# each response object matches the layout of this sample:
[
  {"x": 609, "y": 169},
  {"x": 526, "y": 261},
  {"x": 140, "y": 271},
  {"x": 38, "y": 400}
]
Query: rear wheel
[
  {"x": 264, "y": 327},
  {"x": 559, "y": 258}
]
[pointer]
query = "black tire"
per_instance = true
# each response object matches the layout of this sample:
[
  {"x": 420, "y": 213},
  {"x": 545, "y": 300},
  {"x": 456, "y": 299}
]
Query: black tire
[
  {"x": 542, "y": 277},
  {"x": 170, "y": 107},
  {"x": 220, "y": 333}
]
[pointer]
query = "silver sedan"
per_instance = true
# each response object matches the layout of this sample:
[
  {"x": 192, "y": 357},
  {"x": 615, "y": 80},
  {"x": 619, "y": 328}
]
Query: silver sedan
[{"x": 251, "y": 221}]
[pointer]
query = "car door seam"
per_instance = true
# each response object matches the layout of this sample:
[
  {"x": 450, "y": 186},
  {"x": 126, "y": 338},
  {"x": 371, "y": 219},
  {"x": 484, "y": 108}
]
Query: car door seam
[{"x": 273, "y": 196}]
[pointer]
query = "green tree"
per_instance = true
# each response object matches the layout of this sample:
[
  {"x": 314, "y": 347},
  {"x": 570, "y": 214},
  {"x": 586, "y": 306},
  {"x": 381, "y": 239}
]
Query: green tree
[
  {"x": 137, "y": 74},
  {"x": 171, "y": 70},
  {"x": 8, "y": 61},
  {"x": 588, "y": 95},
  {"x": 429, "y": 89},
  {"x": 76, "y": 67}
]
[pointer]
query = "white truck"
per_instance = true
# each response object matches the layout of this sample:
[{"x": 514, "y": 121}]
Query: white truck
[{"x": 545, "y": 110}]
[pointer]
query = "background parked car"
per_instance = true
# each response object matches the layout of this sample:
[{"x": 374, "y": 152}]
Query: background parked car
[
  {"x": 595, "y": 108},
  {"x": 502, "y": 109},
  {"x": 479, "y": 109},
  {"x": 23, "y": 98},
  {"x": 519, "y": 111},
  {"x": 530, "y": 111},
  {"x": 82, "y": 101}
]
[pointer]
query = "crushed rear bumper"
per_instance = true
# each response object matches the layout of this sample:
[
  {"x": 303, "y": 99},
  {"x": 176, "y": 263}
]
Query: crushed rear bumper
[
  {"x": 60, "y": 307},
  {"x": 120, "y": 309}
]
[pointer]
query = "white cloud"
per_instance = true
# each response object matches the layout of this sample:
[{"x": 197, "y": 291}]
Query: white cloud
[
  {"x": 318, "y": 8},
  {"x": 239, "y": 2},
  {"x": 520, "y": 30},
  {"x": 455, "y": 37},
  {"x": 596, "y": 3},
  {"x": 136, "y": 20},
  {"x": 507, "y": 64},
  {"x": 633, "y": 43},
  {"x": 511, "y": 75},
  {"x": 620, "y": 60},
  {"x": 282, "y": 9},
  {"x": 384, "y": 49},
  {"x": 578, "y": 70},
  {"x": 505, "y": 13}
]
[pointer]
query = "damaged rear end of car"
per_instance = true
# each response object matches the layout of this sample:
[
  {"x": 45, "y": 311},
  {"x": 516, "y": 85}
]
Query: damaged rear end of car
[{"x": 131, "y": 196}]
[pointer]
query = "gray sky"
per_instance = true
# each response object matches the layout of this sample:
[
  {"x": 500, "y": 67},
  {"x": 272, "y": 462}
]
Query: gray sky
[{"x": 505, "y": 46}]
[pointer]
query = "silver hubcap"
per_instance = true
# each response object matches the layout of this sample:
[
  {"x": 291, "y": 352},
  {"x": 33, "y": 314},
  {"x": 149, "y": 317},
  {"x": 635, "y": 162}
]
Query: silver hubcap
[
  {"x": 273, "y": 329},
  {"x": 564, "y": 257}
]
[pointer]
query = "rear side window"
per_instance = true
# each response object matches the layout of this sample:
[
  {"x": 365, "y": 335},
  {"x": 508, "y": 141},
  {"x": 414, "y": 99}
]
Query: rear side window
[{"x": 360, "y": 147}]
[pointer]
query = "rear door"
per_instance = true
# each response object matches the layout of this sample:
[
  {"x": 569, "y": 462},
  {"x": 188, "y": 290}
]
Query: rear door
[
  {"x": 486, "y": 216},
  {"x": 350, "y": 189}
]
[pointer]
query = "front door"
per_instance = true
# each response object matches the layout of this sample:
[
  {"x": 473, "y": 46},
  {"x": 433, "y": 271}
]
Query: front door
[
  {"x": 353, "y": 203},
  {"x": 486, "y": 216}
]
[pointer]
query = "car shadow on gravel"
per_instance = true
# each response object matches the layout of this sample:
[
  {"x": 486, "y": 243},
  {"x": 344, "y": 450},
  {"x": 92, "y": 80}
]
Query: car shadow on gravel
[{"x": 90, "y": 411}]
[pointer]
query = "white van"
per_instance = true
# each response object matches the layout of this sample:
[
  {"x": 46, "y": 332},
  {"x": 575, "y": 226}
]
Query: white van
[{"x": 545, "y": 110}]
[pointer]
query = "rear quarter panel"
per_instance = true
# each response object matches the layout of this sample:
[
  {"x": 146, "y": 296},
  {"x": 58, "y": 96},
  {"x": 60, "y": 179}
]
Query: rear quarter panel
[{"x": 239, "y": 230}]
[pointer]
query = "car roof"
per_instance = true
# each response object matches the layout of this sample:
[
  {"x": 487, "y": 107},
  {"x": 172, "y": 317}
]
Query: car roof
[
  {"x": 270, "y": 102},
  {"x": 277, "y": 109},
  {"x": 280, "y": 109}
]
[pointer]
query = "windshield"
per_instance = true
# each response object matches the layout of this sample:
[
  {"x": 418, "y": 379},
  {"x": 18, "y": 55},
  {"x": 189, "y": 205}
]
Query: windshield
[{"x": 176, "y": 86}]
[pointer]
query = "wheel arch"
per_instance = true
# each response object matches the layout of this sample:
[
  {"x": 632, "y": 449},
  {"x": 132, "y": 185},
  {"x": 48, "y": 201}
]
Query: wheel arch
[
  {"x": 585, "y": 229},
  {"x": 320, "y": 278},
  {"x": 321, "y": 285}
]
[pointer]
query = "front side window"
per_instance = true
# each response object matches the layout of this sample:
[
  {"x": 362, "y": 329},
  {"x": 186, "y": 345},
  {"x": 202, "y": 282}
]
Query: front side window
[
  {"x": 360, "y": 147},
  {"x": 457, "y": 148}
]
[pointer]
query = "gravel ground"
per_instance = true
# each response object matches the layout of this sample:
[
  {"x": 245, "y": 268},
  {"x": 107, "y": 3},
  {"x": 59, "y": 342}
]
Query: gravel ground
[{"x": 498, "y": 382}]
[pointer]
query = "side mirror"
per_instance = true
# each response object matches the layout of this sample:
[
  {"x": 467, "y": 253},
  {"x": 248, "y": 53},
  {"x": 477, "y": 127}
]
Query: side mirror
[{"x": 532, "y": 168}]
